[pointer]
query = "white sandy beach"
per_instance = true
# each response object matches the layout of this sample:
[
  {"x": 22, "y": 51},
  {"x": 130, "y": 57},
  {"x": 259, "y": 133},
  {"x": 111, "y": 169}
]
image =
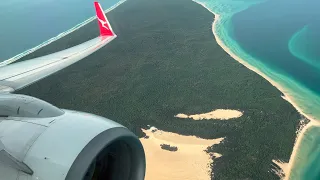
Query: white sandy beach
[
  {"x": 287, "y": 97},
  {"x": 189, "y": 162}
]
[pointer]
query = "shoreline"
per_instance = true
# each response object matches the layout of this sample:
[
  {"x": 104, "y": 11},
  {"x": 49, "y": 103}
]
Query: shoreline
[
  {"x": 151, "y": 77},
  {"x": 59, "y": 36},
  {"x": 288, "y": 98},
  {"x": 297, "y": 143}
]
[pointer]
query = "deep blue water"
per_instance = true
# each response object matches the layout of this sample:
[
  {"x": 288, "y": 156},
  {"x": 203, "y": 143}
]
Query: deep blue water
[
  {"x": 265, "y": 30},
  {"x": 25, "y": 24}
]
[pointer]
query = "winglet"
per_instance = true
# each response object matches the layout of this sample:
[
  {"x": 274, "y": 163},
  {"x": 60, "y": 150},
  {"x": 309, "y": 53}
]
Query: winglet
[{"x": 104, "y": 25}]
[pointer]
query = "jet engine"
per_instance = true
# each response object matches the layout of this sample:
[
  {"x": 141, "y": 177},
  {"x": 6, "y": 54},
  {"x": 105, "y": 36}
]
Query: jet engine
[{"x": 39, "y": 141}]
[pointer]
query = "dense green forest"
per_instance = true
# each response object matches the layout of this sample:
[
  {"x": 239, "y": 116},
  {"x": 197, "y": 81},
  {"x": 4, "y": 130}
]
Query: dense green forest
[{"x": 165, "y": 61}]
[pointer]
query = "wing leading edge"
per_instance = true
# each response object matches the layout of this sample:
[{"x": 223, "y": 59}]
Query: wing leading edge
[{"x": 18, "y": 75}]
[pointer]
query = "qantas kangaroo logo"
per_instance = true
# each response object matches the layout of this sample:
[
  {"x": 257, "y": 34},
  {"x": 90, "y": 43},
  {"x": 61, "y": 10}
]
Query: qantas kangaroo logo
[{"x": 103, "y": 23}]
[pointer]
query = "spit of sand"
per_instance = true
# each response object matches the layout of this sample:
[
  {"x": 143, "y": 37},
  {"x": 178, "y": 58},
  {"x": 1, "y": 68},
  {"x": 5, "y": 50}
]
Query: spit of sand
[{"x": 189, "y": 162}]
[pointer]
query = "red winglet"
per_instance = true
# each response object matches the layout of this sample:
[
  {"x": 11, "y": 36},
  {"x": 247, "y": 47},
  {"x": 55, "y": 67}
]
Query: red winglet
[{"x": 104, "y": 25}]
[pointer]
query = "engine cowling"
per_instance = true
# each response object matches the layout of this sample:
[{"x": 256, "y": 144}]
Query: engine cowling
[{"x": 71, "y": 146}]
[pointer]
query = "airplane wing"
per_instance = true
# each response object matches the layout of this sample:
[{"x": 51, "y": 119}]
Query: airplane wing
[{"x": 18, "y": 75}]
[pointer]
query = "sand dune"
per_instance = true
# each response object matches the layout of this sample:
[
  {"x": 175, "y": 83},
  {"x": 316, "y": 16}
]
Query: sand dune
[
  {"x": 189, "y": 162},
  {"x": 222, "y": 114}
]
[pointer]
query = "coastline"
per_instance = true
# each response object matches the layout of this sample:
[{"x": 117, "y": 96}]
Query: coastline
[
  {"x": 297, "y": 144},
  {"x": 59, "y": 36},
  {"x": 287, "y": 97},
  {"x": 252, "y": 68},
  {"x": 152, "y": 76}
]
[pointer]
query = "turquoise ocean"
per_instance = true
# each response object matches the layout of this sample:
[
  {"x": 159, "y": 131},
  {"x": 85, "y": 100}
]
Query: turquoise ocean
[{"x": 278, "y": 38}]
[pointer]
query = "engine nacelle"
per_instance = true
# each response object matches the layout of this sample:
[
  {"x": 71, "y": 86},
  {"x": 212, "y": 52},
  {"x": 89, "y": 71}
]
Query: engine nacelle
[{"x": 71, "y": 146}]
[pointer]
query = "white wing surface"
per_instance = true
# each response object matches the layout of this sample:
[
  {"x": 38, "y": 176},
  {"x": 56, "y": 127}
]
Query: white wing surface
[{"x": 18, "y": 75}]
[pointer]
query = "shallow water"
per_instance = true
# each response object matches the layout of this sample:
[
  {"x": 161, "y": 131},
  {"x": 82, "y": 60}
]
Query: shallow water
[
  {"x": 280, "y": 40},
  {"x": 306, "y": 165},
  {"x": 305, "y": 44}
]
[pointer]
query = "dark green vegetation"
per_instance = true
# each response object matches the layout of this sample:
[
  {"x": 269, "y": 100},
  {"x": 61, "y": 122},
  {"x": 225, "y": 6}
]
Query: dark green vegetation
[
  {"x": 168, "y": 147},
  {"x": 165, "y": 61}
]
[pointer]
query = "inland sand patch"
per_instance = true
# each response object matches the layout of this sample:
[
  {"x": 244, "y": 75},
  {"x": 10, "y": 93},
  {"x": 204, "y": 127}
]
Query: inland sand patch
[
  {"x": 221, "y": 114},
  {"x": 189, "y": 162}
]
